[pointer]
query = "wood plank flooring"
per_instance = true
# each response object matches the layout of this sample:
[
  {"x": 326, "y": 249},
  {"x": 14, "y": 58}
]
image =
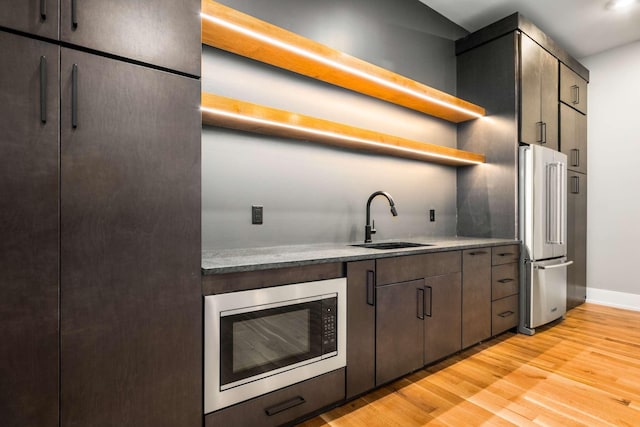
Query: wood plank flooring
[{"x": 583, "y": 371}]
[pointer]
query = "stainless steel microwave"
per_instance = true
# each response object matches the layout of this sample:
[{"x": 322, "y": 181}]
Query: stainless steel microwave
[{"x": 261, "y": 340}]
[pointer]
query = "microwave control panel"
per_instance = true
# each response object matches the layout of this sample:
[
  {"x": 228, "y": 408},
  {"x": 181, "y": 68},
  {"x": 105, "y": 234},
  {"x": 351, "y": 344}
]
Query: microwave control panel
[{"x": 329, "y": 325}]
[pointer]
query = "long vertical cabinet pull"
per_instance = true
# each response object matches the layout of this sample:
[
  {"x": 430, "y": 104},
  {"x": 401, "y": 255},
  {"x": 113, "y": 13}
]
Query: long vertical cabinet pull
[
  {"x": 74, "y": 14},
  {"x": 540, "y": 138},
  {"x": 420, "y": 303},
  {"x": 43, "y": 89},
  {"x": 370, "y": 287},
  {"x": 430, "y": 304},
  {"x": 74, "y": 96},
  {"x": 43, "y": 9}
]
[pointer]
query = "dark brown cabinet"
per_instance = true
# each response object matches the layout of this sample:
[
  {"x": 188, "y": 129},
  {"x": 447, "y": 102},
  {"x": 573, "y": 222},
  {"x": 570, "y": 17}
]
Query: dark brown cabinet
[
  {"x": 130, "y": 245},
  {"x": 29, "y": 171},
  {"x": 400, "y": 315},
  {"x": 573, "y": 89},
  {"x": 576, "y": 238},
  {"x": 361, "y": 327},
  {"x": 162, "y": 32},
  {"x": 573, "y": 138},
  {"x": 539, "y": 94},
  {"x": 442, "y": 315},
  {"x": 476, "y": 296},
  {"x": 38, "y": 17},
  {"x": 505, "y": 287}
]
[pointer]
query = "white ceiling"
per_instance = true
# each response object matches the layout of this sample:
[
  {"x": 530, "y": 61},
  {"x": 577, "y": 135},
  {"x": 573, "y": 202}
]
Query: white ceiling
[{"x": 582, "y": 27}]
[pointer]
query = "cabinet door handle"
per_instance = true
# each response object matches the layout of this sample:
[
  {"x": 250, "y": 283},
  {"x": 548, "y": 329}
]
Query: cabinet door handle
[
  {"x": 539, "y": 138},
  {"x": 370, "y": 287},
  {"x": 575, "y": 185},
  {"x": 507, "y": 280},
  {"x": 544, "y": 132},
  {"x": 43, "y": 9},
  {"x": 74, "y": 96},
  {"x": 420, "y": 303},
  {"x": 506, "y": 313},
  {"x": 74, "y": 14},
  {"x": 288, "y": 404},
  {"x": 43, "y": 89},
  {"x": 576, "y": 94},
  {"x": 477, "y": 253},
  {"x": 430, "y": 305},
  {"x": 575, "y": 157}
]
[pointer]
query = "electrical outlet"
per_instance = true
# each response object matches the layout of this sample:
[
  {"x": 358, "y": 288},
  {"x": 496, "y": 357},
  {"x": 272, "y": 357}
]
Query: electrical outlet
[
  {"x": 432, "y": 215},
  {"x": 256, "y": 214}
]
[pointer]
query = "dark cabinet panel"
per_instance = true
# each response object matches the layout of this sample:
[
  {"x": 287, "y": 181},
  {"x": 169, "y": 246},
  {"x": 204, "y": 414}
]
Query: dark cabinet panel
[
  {"x": 399, "y": 329},
  {"x": 505, "y": 280},
  {"x": 39, "y": 17},
  {"x": 504, "y": 314},
  {"x": 539, "y": 95},
  {"x": 282, "y": 406},
  {"x": 573, "y": 138},
  {"x": 29, "y": 149},
  {"x": 576, "y": 238},
  {"x": 476, "y": 296},
  {"x": 505, "y": 254},
  {"x": 443, "y": 305},
  {"x": 162, "y": 32},
  {"x": 573, "y": 89},
  {"x": 361, "y": 327},
  {"x": 131, "y": 321},
  {"x": 405, "y": 268}
]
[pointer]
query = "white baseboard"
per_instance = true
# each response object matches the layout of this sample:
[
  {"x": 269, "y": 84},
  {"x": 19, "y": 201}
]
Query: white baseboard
[{"x": 613, "y": 298}]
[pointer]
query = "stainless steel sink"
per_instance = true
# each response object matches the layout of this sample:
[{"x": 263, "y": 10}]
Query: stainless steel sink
[{"x": 392, "y": 245}]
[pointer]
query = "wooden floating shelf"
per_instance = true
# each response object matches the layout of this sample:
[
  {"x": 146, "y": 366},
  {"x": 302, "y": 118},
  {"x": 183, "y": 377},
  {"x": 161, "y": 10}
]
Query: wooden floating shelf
[
  {"x": 228, "y": 29},
  {"x": 232, "y": 113}
]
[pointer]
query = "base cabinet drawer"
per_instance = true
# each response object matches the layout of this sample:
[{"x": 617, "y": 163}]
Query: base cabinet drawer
[
  {"x": 505, "y": 254},
  {"x": 504, "y": 314},
  {"x": 504, "y": 281},
  {"x": 285, "y": 405}
]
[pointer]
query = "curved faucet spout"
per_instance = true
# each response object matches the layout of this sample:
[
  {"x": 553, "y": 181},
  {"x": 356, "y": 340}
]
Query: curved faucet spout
[{"x": 368, "y": 229}]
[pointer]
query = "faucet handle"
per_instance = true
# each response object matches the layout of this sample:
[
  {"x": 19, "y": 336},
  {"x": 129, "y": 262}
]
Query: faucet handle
[{"x": 373, "y": 226}]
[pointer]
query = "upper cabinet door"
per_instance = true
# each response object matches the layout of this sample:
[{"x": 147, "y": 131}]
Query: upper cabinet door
[
  {"x": 538, "y": 95},
  {"x": 39, "y": 17},
  {"x": 573, "y": 138},
  {"x": 165, "y": 33},
  {"x": 573, "y": 89},
  {"x": 29, "y": 123}
]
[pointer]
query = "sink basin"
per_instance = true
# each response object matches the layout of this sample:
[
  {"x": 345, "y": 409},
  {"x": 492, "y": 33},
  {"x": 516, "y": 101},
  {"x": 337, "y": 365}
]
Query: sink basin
[{"x": 391, "y": 245}]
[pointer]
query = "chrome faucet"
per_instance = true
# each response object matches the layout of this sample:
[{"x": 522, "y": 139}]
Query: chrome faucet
[{"x": 371, "y": 229}]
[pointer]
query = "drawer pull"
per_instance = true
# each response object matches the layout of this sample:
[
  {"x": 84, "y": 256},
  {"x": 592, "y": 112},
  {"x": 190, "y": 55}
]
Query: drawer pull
[
  {"x": 507, "y": 280},
  {"x": 280, "y": 407},
  {"x": 478, "y": 253},
  {"x": 506, "y": 313},
  {"x": 505, "y": 254}
]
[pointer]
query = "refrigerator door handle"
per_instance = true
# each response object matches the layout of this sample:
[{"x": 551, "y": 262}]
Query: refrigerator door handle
[
  {"x": 550, "y": 267},
  {"x": 555, "y": 206}
]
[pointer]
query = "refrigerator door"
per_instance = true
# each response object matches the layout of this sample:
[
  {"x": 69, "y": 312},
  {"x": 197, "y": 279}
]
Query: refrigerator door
[
  {"x": 543, "y": 198},
  {"x": 547, "y": 290}
]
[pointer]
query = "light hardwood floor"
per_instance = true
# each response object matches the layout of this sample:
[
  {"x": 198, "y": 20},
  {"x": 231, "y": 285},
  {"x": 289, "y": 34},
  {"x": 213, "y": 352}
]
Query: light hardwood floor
[{"x": 584, "y": 370}]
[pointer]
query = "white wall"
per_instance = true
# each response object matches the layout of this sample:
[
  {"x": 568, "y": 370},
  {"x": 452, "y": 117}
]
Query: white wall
[{"x": 614, "y": 177}]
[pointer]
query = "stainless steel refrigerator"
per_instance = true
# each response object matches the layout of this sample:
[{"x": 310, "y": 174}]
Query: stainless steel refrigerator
[{"x": 543, "y": 230}]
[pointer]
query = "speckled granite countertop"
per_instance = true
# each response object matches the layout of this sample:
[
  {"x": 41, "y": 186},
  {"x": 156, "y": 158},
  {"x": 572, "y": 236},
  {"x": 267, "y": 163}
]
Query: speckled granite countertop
[{"x": 252, "y": 259}]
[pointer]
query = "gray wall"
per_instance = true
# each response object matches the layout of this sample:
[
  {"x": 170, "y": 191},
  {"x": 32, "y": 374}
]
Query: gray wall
[
  {"x": 613, "y": 204},
  {"x": 313, "y": 193}
]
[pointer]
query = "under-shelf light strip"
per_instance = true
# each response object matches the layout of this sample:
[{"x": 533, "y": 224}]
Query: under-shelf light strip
[
  {"x": 334, "y": 64},
  {"x": 333, "y": 135}
]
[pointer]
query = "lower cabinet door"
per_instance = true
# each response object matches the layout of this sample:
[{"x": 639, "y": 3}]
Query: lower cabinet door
[
  {"x": 399, "y": 329},
  {"x": 284, "y": 405},
  {"x": 504, "y": 313},
  {"x": 443, "y": 325}
]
